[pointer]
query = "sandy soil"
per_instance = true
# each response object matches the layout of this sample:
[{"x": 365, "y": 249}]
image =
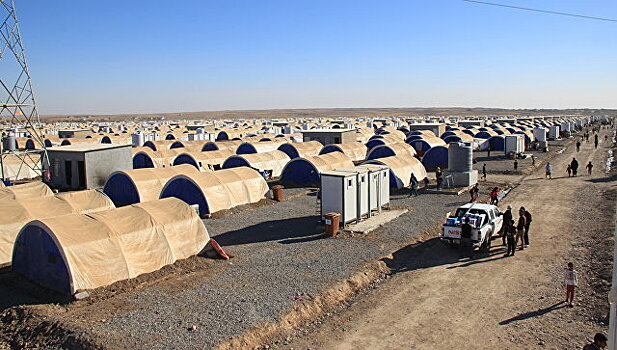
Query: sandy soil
[{"x": 433, "y": 300}]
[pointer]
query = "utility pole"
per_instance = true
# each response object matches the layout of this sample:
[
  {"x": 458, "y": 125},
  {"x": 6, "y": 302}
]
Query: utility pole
[{"x": 17, "y": 104}]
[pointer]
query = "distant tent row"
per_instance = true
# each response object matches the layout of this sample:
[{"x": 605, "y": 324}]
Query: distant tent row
[
  {"x": 141, "y": 185},
  {"x": 212, "y": 191}
]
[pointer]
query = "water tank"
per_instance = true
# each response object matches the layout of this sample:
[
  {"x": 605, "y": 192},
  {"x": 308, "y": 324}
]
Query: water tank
[
  {"x": 539, "y": 134},
  {"x": 9, "y": 143},
  {"x": 460, "y": 157},
  {"x": 137, "y": 140}
]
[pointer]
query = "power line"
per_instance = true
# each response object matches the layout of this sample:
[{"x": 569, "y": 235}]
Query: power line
[{"x": 543, "y": 11}]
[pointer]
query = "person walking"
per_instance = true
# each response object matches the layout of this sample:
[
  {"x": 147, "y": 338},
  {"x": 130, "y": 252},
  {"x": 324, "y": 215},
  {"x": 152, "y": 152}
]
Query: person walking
[
  {"x": 527, "y": 224},
  {"x": 578, "y": 146},
  {"x": 569, "y": 170},
  {"x": 439, "y": 177},
  {"x": 511, "y": 238},
  {"x": 494, "y": 196},
  {"x": 596, "y": 141},
  {"x": 520, "y": 227},
  {"x": 574, "y": 166},
  {"x": 515, "y": 164},
  {"x": 533, "y": 160},
  {"x": 473, "y": 193},
  {"x": 589, "y": 168},
  {"x": 465, "y": 246},
  {"x": 413, "y": 185},
  {"x": 549, "y": 170},
  {"x": 507, "y": 217},
  {"x": 600, "y": 341},
  {"x": 484, "y": 172},
  {"x": 571, "y": 281}
]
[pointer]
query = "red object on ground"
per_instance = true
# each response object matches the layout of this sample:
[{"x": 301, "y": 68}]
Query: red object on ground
[{"x": 219, "y": 250}]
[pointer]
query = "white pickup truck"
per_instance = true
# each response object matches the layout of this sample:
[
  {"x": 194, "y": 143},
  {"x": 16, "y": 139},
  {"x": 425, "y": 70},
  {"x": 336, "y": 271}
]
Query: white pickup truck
[{"x": 485, "y": 220}]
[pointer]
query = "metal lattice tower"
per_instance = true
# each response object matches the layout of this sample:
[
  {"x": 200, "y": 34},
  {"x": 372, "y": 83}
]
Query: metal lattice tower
[{"x": 17, "y": 103}]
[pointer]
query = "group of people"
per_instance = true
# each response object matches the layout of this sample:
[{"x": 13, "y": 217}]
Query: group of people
[
  {"x": 493, "y": 195},
  {"x": 515, "y": 232},
  {"x": 571, "y": 168}
]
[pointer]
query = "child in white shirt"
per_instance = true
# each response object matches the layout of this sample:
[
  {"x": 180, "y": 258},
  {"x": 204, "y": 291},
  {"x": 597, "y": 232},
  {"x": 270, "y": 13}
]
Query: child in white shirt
[{"x": 571, "y": 281}]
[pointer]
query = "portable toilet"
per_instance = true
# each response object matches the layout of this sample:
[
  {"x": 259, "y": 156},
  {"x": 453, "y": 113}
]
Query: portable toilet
[
  {"x": 514, "y": 143},
  {"x": 362, "y": 180},
  {"x": 339, "y": 194},
  {"x": 378, "y": 186},
  {"x": 553, "y": 132}
]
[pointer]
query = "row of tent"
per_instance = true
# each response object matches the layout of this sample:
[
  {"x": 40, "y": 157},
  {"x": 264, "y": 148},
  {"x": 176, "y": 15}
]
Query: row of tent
[{"x": 81, "y": 240}]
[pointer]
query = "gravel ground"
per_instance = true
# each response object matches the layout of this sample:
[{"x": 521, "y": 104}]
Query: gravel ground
[{"x": 278, "y": 261}]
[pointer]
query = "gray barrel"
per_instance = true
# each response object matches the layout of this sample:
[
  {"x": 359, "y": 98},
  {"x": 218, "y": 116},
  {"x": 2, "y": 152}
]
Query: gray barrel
[
  {"x": 460, "y": 157},
  {"x": 137, "y": 139},
  {"x": 9, "y": 143}
]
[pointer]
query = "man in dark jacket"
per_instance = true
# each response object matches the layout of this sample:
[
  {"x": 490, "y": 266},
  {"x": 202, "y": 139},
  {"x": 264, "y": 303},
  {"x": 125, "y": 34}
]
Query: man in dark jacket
[
  {"x": 510, "y": 235},
  {"x": 574, "y": 166},
  {"x": 520, "y": 227},
  {"x": 527, "y": 223},
  {"x": 507, "y": 217},
  {"x": 466, "y": 247}
]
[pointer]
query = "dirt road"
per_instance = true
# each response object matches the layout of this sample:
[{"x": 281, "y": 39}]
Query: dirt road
[{"x": 433, "y": 300}]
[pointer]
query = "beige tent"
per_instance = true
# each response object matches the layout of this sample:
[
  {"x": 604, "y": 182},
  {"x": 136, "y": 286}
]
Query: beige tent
[
  {"x": 28, "y": 190},
  {"x": 389, "y": 150},
  {"x": 221, "y": 145},
  {"x": 217, "y": 190},
  {"x": 273, "y": 161},
  {"x": 392, "y": 131},
  {"x": 301, "y": 149},
  {"x": 259, "y": 147},
  {"x": 21, "y": 211},
  {"x": 155, "y": 159},
  {"x": 160, "y": 145},
  {"x": 204, "y": 161},
  {"x": 96, "y": 250},
  {"x": 305, "y": 171},
  {"x": 141, "y": 185},
  {"x": 355, "y": 151},
  {"x": 401, "y": 168}
]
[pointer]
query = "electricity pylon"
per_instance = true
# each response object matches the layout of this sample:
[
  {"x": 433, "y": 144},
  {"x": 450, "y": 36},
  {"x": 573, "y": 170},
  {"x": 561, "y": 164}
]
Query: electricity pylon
[{"x": 17, "y": 103}]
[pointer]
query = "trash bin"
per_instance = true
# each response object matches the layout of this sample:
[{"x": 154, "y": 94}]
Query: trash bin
[
  {"x": 332, "y": 223},
  {"x": 277, "y": 193}
]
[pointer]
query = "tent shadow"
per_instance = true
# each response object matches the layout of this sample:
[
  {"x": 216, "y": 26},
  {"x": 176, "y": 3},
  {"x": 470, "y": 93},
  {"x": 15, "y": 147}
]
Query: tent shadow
[
  {"x": 16, "y": 290},
  {"x": 536, "y": 313},
  {"x": 293, "y": 230}
]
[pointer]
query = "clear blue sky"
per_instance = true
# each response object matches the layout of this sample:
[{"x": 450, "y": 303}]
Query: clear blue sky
[{"x": 137, "y": 56}]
